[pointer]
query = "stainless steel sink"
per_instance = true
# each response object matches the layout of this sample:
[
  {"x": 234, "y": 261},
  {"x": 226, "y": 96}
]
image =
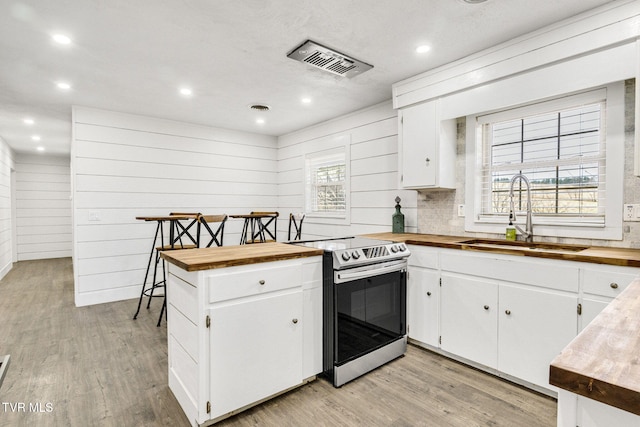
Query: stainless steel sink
[{"x": 523, "y": 246}]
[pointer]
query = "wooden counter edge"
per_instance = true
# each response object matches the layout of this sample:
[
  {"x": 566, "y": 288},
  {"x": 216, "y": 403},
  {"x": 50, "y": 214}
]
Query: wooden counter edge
[
  {"x": 602, "y": 391},
  {"x": 232, "y": 262},
  {"x": 585, "y": 367},
  {"x": 606, "y": 256}
]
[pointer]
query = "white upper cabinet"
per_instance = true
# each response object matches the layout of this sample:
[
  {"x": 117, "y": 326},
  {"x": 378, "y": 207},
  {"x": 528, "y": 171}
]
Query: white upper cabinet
[{"x": 427, "y": 148}]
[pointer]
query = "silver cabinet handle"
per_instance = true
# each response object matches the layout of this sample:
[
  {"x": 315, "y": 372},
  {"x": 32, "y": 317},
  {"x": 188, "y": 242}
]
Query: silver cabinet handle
[
  {"x": 486, "y": 307},
  {"x": 262, "y": 282},
  {"x": 428, "y": 294},
  {"x": 614, "y": 285},
  {"x": 507, "y": 312},
  {"x": 294, "y": 320},
  {"x": 427, "y": 160}
]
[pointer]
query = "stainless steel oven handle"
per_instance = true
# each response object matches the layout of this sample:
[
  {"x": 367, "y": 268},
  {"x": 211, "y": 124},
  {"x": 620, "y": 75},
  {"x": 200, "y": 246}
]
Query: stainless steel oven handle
[{"x": 369, "y": 271}]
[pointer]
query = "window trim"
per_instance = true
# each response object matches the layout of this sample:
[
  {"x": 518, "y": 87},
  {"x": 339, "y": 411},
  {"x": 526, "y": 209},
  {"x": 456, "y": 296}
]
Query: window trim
[
  {"x": 611, "y": 229},
  {"x": 330, "y": 217}
]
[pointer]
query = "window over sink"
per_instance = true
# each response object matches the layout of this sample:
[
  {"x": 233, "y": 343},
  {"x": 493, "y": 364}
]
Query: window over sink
[{"x": 570, "y": 148}]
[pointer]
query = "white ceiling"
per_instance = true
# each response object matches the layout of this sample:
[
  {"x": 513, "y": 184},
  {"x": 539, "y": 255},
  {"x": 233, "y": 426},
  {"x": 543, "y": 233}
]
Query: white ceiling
[{"x": 133, "y": 56}]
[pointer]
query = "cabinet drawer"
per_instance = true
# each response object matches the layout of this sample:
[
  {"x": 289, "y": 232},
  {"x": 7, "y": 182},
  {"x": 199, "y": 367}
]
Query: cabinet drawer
[
  {"x": 558, "y": 275},
  {"x": 254, "y": 281},
  {"x": 423, "y": 256},
  {"x": 608, "y": 281}
]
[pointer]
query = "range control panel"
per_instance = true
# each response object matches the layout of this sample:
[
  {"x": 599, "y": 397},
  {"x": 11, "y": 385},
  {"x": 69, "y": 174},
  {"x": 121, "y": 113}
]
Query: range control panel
[{"x": 369, "y": 255}]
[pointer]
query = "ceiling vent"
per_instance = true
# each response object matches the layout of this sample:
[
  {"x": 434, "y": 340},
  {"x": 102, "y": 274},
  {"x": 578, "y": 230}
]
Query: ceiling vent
[{"x": 329, "y": 60}]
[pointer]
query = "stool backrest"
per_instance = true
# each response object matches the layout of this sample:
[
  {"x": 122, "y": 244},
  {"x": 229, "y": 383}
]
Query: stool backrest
[
  {"x": 182, "y": 231},
  {"x": 269, "y": 224},
  {"x": 295, "y": 226},
  {"x": 216, "y": 236}
]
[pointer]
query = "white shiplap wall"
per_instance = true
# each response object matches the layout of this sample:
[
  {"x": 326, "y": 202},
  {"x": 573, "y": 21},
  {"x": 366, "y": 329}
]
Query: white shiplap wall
[
  {"x": 373, "y": 152},
  {"x": 125, "y": 166},
  {"x": 43, "y": 206},
  {"x": 6, "y": 237}
]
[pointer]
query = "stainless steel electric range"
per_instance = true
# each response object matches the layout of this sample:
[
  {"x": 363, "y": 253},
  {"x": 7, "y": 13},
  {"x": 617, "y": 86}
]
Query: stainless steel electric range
[{"x": 364, "y": 304}]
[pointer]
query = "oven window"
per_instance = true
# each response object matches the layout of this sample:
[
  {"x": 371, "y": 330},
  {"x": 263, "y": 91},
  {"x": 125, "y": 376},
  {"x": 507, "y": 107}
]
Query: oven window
[{"x": 371, "y": 312}]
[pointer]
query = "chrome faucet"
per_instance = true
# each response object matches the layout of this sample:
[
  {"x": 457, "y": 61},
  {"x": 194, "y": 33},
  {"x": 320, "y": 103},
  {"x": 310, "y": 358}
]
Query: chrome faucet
[{"x": 528, "y": 233}]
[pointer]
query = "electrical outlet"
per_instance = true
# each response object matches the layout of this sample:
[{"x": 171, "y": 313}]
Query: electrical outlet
[
  {"x": 460, "y": 210},
  {"x": 94, "y": 216},
  {"x": 631, "y": 212}
]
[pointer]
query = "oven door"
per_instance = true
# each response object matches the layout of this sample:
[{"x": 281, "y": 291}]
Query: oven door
[{"x": 370, "y": 309}]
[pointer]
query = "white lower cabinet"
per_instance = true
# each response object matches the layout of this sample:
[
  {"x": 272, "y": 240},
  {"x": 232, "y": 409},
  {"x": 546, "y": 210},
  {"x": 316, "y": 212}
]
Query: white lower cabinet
[
  {"x": 534, "y": 326},
  {"x": 423, "y": 305},
  {"x": 255, "y": 350},
  {"x": 242, "y": 334},
  {"x": 505, "y": 314},
  {"x": 600, "y": 285},
  {"x": 469, "y": 325}
]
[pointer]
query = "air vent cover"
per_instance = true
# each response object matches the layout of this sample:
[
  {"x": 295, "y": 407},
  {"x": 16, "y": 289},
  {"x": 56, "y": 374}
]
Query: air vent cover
[{"x": 329, "y": 60}]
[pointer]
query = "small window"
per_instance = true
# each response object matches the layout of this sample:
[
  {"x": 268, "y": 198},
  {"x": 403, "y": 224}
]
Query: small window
[{"x": 326, "y": 179}]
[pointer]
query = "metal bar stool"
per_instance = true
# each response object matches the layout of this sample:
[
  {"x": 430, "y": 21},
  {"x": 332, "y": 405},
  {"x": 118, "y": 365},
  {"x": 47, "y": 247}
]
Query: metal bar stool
[
  {"x": 4, "y": 367},
  {"x": 295, "y": 225},
  {"x": 263, "y": 221},
  {"x": 176, "y": 232}
]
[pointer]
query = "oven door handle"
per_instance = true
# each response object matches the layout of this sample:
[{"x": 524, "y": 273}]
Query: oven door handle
[{"x": 369, "y": 271}]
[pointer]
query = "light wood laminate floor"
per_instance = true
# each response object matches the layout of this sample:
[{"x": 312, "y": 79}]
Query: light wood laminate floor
[{"x": 95, "y": 366}]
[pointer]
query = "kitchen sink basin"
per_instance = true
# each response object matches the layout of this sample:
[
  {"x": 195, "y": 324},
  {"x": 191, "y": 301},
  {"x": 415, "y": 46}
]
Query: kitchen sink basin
[{"x": 523, "y": 246}]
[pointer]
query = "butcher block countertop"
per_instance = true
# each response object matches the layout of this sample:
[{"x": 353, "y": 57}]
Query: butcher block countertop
[
  {"x": 229, "y": 256},
  {"x": 593, "y": 254},
  {"x": 603, "y": 362}
]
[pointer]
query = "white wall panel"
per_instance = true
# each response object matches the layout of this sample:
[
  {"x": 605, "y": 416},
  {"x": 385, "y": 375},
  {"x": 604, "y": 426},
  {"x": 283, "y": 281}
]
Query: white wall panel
[
  {"x": 43, "y": 207},
  {"x": 126, "y": 166},
  {"x": 7, "y": 244},
  {"x": 373, "y": 154}
]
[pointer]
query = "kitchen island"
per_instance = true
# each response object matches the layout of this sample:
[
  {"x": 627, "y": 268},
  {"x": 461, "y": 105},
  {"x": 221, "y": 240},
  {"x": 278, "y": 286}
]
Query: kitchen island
[
  {"x": 599, "y": 371},
  {"x": 245, "y": 324}
]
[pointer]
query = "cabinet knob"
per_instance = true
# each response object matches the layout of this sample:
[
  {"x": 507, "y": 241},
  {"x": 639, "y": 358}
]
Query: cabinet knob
[
  {"x": 486, "y": 307},
  {"x": 614, "y": 285},
  {"x": 427, "y": 160},
  {"x": 294, "y": 320},
  {"x": 262, "y": 282},
  {"x": 507, "y": 312},
  {"x": 428, "y": 294}
]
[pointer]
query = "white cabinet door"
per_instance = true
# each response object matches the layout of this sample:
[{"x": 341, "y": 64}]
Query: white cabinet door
[
  {"x": 590, "y": 310},
  {"x": 418, "y": 145},
  {"x": 469, "y": 323},
  {"x": 534, "y": 326},
  {"x": 427, "y": 157},
  {"x": 255, "y": 350},
  {"x": 423, "y": 305}
]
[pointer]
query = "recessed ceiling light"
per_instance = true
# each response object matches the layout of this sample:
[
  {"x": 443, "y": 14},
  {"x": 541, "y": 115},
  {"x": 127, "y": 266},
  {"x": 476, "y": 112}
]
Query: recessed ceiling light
[
  {"x": 61, "y": 39},
  {"x": 306, "y": 100},
  {"x": 260, "y": 121},
  {"x": 423, "y": 48},
  {"x": 28, "y": 121},
  {"x": 36, "y": 137},
  {"x": 40, "y": 148},
  {"x": 63, "y": 85},
  {"x": 186, "y": 91}
]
